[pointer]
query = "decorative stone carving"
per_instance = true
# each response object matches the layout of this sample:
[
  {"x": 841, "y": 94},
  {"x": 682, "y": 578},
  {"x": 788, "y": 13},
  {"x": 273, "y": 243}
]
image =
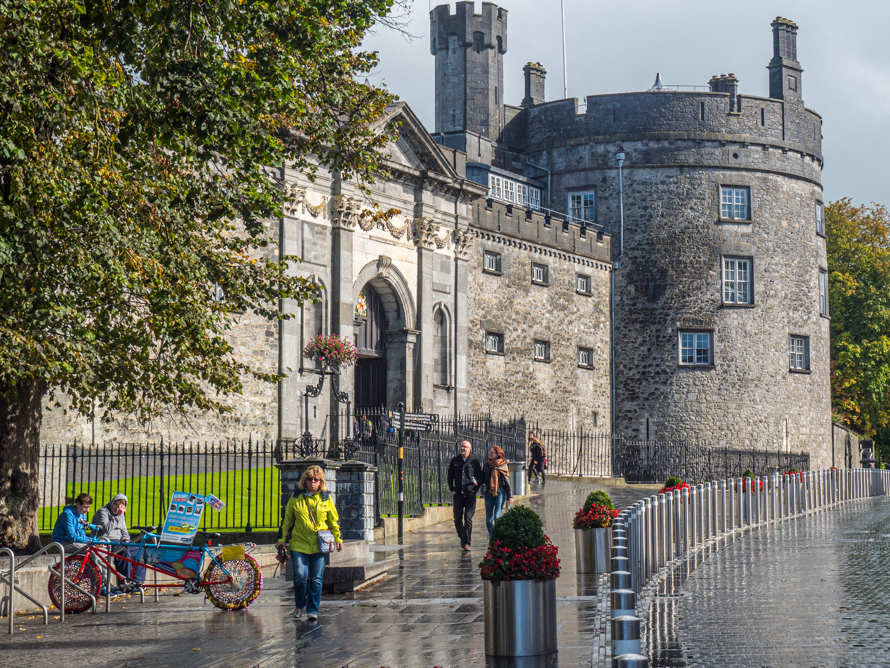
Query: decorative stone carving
[
  {"x": 383, "y": 265},
  {"x": 296, "y": 202},
  {"x": 463, "y": 241},
  {"x": 429, "y": 235},
  {"x": 348, "y": 213}
]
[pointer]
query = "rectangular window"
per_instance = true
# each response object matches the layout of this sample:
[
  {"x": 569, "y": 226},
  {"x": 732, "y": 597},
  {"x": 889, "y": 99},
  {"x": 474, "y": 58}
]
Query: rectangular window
[
  {"x": 799, "y": 353},
  {"x": 585, "y": 358},
  {"x": 534, "y": 198},
  {"x": 540, "y": 274},
  {"x": 696, "y": 348},
  {"x": 491, "y": 262},
  {"x": 582, "y": 206},
  {"x": 495, "y": 187},
  {"x": 542, "y": 351},
  {"x": 494, "y": 343},
  {"x": 509, "y": 190},
  {"x": 820, "y": 219},
  {"x": 735, "y": 203},
  {"x": 737, "y": 281},
  {"x": 583, "y": 284},
  {"x": 823, "y": 292}
]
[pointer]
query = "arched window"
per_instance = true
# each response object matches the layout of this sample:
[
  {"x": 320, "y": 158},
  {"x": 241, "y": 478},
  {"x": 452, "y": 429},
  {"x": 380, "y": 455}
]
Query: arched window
[{"x": 441, "y": 349}]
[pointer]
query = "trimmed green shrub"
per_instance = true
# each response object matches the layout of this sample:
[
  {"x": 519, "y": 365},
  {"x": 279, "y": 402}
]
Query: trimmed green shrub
[
  {"x": 748, "y": 473},
  {"x": 598, "y": 498},
  {"x": 673, "y": 481},
  {"x": 517, "y": 528}
]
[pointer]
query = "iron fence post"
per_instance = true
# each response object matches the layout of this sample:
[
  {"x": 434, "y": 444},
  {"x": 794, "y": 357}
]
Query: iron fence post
[
  {"x": 248, "y": 528},
  {"x": 401, "y": 465}
]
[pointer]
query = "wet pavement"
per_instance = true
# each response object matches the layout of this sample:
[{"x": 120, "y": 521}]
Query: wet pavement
[
  {"x": 427, "y": 612},
  {"x": 808, "y": 592}
]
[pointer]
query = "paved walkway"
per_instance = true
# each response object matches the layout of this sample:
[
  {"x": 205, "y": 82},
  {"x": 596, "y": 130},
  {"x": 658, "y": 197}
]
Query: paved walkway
[
  {"x": 809, "y": 592},
  {"x": 427, "y": 613}
]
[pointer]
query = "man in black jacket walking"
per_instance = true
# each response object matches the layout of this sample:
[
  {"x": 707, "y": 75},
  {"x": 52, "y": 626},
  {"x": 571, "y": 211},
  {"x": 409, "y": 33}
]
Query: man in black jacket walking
[{"x": 464, "y": 477}]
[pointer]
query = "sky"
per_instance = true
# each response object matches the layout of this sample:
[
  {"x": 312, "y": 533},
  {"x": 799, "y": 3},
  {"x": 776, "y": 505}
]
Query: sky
[{"x": 614, "y": 47}]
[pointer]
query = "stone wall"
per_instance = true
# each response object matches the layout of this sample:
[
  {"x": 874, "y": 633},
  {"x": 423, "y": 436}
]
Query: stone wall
[{"x": 558, "y": 393}]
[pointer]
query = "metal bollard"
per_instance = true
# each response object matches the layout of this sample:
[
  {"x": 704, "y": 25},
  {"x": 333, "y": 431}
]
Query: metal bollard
[
  {"x": 630, "y": 661},
  {"x": 620, "y": 580},
  {"x": 620, "y": 564},
  {"x": 624, "y": 602},
  {"x": 626, "y": 635}
]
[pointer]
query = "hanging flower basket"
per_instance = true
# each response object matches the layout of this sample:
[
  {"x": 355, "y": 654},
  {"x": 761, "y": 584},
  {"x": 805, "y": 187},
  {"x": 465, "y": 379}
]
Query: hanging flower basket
[{"x": 331, "y": 352}]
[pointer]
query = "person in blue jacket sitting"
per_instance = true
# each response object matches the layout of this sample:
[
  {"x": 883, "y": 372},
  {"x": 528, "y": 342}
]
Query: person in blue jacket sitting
[{"x": 70, "y": 527}]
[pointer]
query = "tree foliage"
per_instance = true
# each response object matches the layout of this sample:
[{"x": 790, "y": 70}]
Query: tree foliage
[
  {"x": 858, "y": 242},
  {"x": 132, "y": 136},
  {"x": 141, "y": 152}
]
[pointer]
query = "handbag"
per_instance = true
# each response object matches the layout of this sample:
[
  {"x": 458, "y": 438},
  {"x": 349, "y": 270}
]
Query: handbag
[
  {"x": 545, "y": 463},
  {"x": 325, "y": 536}
]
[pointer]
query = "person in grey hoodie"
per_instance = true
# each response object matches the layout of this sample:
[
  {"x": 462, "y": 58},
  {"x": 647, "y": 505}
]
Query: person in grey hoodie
[{"x": 112, "y": 523}]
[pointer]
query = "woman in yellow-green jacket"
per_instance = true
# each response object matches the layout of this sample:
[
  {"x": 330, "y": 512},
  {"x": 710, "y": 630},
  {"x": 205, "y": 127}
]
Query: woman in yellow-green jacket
[{"x": 310, "y": 510}]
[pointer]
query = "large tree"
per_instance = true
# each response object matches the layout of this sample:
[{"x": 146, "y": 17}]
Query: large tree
[
  {"x": 859, "y": 298},
  {"x": 140, "y": 142}
]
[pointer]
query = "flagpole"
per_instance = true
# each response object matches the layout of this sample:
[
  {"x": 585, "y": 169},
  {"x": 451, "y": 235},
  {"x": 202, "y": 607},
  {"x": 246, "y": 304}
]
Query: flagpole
[{"x": 565, "y": 76}]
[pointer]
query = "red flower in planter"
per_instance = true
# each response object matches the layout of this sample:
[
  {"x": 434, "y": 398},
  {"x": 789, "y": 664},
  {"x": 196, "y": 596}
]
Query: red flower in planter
[
  {"x": 680, "y": 487},
  {"x": 502, "y": 564},
  {"x": 748, "y": 484},
  {"x": 598, "y": 517}
]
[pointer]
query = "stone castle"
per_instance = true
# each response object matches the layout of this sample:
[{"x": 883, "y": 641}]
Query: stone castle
[{"x": 651, "y": 265}]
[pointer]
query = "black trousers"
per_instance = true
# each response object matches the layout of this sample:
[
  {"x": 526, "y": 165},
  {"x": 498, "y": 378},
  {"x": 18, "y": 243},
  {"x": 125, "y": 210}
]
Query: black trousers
[
  {"x": 464, "y": 508},
  {"x": 538, "y": 469}
]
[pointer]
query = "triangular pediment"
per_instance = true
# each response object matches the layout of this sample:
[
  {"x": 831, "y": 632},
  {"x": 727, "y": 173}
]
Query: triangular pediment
[{"x": 414, "y": 149}]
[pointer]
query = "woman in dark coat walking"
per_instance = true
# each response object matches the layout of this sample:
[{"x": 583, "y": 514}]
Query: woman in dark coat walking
[{"x": 538, "y": 457}]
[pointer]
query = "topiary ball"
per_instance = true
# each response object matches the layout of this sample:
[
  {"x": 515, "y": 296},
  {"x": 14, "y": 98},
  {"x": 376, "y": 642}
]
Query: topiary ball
[
  {"x": 673, "y": 481},
  {"x": 748, "y": 473},
  {"x": 518, "y": 527},
  {"x": 599, "y": 498}
]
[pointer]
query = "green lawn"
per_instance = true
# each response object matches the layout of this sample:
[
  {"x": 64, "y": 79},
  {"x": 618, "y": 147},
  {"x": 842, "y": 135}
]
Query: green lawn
[{"x": 147, "y": 503}]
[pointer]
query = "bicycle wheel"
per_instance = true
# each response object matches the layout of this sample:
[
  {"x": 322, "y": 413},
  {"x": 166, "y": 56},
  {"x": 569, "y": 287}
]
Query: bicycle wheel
[
  {"x": 82, "y": 572},
  {"x": 246, "y": 584}
]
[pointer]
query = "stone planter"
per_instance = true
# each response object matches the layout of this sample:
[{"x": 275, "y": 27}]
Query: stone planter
[
  {"x": 593, "y": 550},
  {"x": 520, "y": 618}
]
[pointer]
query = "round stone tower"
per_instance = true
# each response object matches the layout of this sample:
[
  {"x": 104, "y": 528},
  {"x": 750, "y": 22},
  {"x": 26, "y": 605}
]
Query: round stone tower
[{"x": 720, "y": 285}]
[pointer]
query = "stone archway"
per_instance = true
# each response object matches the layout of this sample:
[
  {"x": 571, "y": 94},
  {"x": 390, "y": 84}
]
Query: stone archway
[{"x": 385, "y": 338}]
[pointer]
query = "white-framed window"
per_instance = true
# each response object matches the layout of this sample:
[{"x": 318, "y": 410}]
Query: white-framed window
[
  {"x": 585, "y": 358},
  {"x": 510, "y": 190},
  {"x": 583, "y": 284},
  {"x": 495, "y": 186},
  {"x": 738, "y": 280},
  {"x": 735, "y": 203},
  {"x": 540, "y": 273},
  {"x": 820, "y": 219},
  {"x": 494, "y": 343},
  {"x": 823, "y": 292},
  {"x": 582, "y": 206},
  {"x": 542, "y": 351},
  {"x": 696, "y": 348},
  {"x": 799, "y": 353},
  {"x": 534, "y": 198},
  {"x": 491, "y": 262}
]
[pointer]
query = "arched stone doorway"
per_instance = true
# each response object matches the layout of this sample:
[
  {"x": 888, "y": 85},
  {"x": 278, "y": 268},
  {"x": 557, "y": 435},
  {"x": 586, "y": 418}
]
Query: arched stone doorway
[
  {"x": 384, "y": 339},
  {"x": 370, "y": 342}
]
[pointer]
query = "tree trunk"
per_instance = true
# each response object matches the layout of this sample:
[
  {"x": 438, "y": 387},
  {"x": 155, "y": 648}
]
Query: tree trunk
[{"x": 21, "y": 409}]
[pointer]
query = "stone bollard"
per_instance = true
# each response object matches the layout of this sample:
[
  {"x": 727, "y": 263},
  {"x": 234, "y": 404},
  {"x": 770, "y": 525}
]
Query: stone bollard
[
  {"x": 355, "y": 500},
  {"x": 626, "y": 635},
  {"x": 623, "y": 602},
  {"x": 630, "y": 661}
]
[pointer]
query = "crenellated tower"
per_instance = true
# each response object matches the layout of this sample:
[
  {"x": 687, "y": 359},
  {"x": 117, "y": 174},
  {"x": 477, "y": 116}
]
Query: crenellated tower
[{"x": 469, "y": 50}]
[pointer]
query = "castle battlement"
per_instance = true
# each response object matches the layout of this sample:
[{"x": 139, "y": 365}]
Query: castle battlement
[{"x": 487, "y": 30}]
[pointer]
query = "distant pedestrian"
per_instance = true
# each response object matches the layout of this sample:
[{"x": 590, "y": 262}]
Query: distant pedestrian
[
  {"x": 538, "y": 458},
  {"x": 310, "y": 510},
  {"x": 496, "y": 485},
  {"x": 464, "y": 478}
]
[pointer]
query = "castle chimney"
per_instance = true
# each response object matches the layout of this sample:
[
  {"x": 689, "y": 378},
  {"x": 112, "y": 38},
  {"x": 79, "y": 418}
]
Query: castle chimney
[
  {"x": 534, "y": 84},
  {"x": 784, "y": 69},
  {"x": 726, "y": 83}
]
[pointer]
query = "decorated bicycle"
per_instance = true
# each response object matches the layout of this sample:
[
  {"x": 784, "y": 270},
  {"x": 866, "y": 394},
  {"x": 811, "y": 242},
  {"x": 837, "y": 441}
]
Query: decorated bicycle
[{"x": 228, "y": 575}]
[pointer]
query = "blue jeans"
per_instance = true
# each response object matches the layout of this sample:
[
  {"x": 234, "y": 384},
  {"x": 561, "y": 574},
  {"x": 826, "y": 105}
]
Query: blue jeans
[
  {"x": 131, "y": 571},
  {"x": 308, "y": 575},
  {"x": 494, "y": 507}
]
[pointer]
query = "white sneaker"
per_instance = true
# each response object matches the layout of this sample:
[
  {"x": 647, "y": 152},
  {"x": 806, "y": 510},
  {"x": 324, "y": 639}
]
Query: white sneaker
[
  {"x": 312, "y": 616},
  {"x": 298, "y": 612}
]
